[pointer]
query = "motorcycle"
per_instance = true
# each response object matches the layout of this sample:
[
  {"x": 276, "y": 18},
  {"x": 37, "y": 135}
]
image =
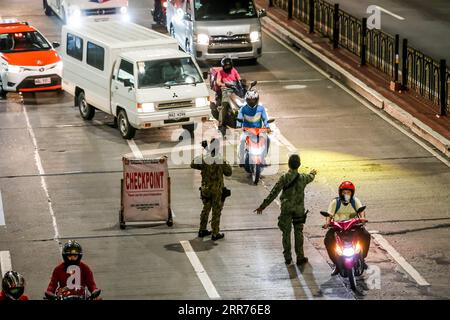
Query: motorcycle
[
  {"x": 159, "y": 12},
  {"x": 350, "y": 262},
  {"x": 66, "y": 293},
  {"x": 255, "y": 152},
  {"x": 227, "y": 105}
]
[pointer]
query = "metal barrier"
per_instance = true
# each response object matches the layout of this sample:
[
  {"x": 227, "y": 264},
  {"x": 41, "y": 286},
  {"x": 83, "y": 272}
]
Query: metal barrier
[{"x": 379, "y": 49}]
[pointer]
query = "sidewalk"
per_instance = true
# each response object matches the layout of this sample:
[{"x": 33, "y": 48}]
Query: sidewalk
[{"x": 418, "y": 114}]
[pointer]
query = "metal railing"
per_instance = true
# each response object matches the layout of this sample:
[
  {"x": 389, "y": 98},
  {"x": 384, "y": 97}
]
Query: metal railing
[{"x": 379, "y": 49}]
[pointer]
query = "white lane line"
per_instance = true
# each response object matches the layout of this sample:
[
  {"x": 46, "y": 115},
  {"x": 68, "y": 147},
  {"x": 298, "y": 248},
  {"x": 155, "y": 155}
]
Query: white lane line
[
  {"x": 2, "y": 213},
  {"x": 5, "y": 262},
  {"x": 284, "y": 141},
  {"x": 135, "y": 149},
  {"x": 390, "y": 13},
  {"x": 364, "y": 102},
  {"x": 201, "y": 273},
  {"x": 38, "y": 161},
  {"x": 305, "y": 287},
  {"x": 399, "y": 259}
]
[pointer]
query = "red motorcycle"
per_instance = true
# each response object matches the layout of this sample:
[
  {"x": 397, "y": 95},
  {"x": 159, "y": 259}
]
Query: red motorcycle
[
  {"x": 350, "y": 262},
  {"x": 256, "y": 149}
]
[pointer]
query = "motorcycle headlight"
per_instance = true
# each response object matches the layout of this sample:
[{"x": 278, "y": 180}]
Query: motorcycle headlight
[
  {"x": 14, "y": 69},
  {"x": 164, "y": 4},
  {"x": 74, "y": 15},
  {"x": 145, "y": 107},
  {"x": 203, "y": 39},
  {"x": 348, "y": 252},
  {"x": 201, "y": 102},
  {"x": 254, "y": 36}
]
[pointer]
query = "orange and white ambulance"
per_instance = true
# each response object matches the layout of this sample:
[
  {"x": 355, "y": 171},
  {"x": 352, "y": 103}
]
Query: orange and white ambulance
[{"x": 28, "y": 62}]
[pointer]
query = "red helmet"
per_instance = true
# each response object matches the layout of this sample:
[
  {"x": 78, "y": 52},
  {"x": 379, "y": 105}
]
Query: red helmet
[{"x": 347, "y": 185}]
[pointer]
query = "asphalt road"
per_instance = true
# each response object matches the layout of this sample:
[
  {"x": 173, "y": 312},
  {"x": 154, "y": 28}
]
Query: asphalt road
[{"x": 76, "y": 194}]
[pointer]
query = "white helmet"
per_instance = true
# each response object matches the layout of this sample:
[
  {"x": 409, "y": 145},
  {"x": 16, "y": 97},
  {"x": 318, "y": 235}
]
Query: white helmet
[{"x": 252, "y": 98}]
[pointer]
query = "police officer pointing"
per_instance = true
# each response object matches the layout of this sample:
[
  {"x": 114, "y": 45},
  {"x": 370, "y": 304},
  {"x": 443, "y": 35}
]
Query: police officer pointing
[
  {"x": 213, "y": 192},
  {"x": 293, "y": 212}
]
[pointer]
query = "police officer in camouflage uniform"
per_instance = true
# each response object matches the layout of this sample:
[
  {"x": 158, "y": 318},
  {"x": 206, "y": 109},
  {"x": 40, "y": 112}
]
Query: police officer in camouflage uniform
[
  {"x": 293, "y": 212},
  {"x": 213, "y": 192}
]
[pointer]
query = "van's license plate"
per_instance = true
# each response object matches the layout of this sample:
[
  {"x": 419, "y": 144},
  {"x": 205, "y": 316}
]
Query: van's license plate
[
  {"x": 39, "y": 81},
  {"x": 177, "y": 114}
]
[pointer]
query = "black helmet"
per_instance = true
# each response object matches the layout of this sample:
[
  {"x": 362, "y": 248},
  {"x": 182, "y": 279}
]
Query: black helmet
[
  {"x": 13, "y": 285},
  {"x": 72, "y": 248},
  {"x": 226, "y": 61}
]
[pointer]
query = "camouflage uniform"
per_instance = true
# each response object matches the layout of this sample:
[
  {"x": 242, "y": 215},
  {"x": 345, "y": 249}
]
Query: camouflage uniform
[
  {"x": 212, "y": 170},
  {"x": 292, "y": 209}
]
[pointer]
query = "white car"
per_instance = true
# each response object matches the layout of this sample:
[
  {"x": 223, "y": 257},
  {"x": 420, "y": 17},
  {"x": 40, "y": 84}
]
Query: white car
[
  {"x": 28, "y": 62},
  {"x": 72, "y": 11}
]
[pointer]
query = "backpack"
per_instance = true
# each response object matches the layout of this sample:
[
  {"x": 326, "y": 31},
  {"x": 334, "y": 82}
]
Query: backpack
[{"x": 339, "y": 202}]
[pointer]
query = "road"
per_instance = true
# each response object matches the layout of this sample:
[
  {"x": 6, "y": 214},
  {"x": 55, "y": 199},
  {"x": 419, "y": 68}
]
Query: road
[
  {"x": 60, "y": 176},
  {"x": 426, "y": 24}
]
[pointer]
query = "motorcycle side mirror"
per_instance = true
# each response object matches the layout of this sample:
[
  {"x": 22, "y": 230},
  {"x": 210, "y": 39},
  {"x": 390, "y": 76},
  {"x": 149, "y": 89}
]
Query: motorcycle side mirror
[
  {"x": 271, "y": 121},
  {"x": 205, "y": 75},
  {"x": 361, "y": 209},
  {"x": 56, "y": 44},
  {"x": 325, "y": 214}
]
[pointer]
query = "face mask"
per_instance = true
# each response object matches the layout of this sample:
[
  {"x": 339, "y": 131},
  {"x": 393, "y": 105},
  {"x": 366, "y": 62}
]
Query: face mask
[
  {"x": 227, "y": 70},
  {"x": 346, "y": 198}
]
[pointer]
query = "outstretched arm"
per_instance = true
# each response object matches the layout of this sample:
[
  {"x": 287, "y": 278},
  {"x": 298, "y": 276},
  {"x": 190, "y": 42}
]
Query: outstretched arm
[{"x": 272, "y": 195}]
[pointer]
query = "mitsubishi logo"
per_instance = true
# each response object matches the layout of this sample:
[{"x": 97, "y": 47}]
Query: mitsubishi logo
[
  {"x": 229, "y": 33},
  {"x": 39, "y": 62},
  {"x": 175, "y": 95}
]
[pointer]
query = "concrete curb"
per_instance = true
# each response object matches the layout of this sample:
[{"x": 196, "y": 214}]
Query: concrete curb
[{"x": 350, "y": 81}]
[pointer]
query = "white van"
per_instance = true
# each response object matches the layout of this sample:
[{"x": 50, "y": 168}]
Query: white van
[
  {"x": 212, "y": 29},
  {"x": 72, "y": 11},
  {"x": 133, "y": 73}
]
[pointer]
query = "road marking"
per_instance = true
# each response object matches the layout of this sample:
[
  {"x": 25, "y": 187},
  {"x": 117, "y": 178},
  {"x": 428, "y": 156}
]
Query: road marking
[
  {"x": 38, "y": 161},
  {"x": 399, "y": 259},
  {"x": 135, "y": 149},
  {"x": 305, "y": 287},
  {"x": 390, "y": 13},
  {"x": 364, "y": 102},
  {"x": 283, "y": 139},
  {"x": 5, "y": 262},
  {"x": 2, "y": 213},
  {"x": 289, "y": 81},
  {"x": 201, "y": 273}
]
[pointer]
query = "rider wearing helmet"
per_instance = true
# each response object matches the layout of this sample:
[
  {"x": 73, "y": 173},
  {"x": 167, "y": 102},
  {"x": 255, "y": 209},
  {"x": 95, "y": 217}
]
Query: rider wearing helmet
[
  {"x": 72, "y": 253},
  {"x": 347, "y": 205},
  {"x": 13, "y": 286},
  {"x": 251, "y": 115},
  {"x": 227, "y": 75}
]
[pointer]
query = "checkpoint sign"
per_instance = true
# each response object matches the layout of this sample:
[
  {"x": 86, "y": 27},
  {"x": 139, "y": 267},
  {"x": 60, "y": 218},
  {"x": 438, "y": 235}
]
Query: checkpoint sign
[{"x": 145, "y": 189}]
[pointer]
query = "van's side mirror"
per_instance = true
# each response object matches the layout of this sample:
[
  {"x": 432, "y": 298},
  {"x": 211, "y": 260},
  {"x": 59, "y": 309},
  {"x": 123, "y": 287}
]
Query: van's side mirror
[
  {"x": 205, "y": 75},
  {"x": 127, "y": 83},
  {"x": 56, "y": 44},
  {"x": 187, "y": 17},
  {"x": 262, "y": 13}
]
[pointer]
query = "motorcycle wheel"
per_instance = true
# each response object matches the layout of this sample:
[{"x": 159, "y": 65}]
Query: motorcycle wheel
[
  {"x": 247, "y": 164},
  {"x": 256, "y": 173},
  {"x": 352, "y": 279}
]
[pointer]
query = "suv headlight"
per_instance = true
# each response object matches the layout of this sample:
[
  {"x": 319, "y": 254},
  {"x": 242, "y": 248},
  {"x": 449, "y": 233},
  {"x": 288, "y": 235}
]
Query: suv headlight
[
  {"x": 13, "y": 69},
  {"x": 201, "y": 102},
  {"x": 203, "y": 39},
  {"x": 146, "y": 107},
  {"x": 255, "y": 36}
]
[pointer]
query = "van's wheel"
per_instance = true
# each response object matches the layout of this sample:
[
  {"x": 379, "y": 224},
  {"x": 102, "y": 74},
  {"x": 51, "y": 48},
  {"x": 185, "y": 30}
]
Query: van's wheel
[
  {"x": 2, "y": 92},
  {"x": 87, "y": 111},
  {"x": 127, "y": 131},
  {"x": 47, "y": 10}
]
